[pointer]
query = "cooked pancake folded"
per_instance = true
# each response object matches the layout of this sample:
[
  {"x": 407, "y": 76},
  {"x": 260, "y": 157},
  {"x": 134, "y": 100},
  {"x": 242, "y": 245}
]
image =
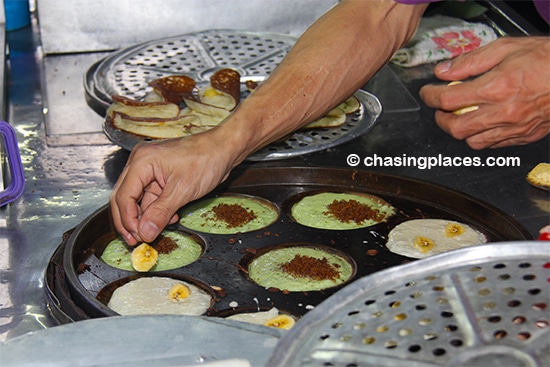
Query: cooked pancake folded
[
  {"x": 173, "y": 88},
  {"x": 337, "y": 116},
  {"x": 157, "y": 128},
  {"x": 162, "y": 115},
  {"x": 143, "y": 109}
]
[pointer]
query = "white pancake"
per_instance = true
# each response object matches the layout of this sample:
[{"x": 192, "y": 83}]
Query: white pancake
[
  {"x": 149, "y": 296},
  {"x": 436, "y": 234},
  {"x": 258, "y": 318}
]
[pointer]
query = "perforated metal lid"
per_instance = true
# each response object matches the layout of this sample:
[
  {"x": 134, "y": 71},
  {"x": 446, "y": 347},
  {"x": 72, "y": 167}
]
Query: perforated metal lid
[
  {"x": 198, "y": 55},
  {"x": 480, "y": 306}
]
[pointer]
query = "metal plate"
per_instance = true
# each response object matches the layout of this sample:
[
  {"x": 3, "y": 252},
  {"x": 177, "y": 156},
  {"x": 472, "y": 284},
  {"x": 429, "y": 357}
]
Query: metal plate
[
  {"x": 143, "y": 341},
  {"x": 199, "y": 55},
  {"x": 78, "y": 274},
  {"x": 478, "y": 306}
]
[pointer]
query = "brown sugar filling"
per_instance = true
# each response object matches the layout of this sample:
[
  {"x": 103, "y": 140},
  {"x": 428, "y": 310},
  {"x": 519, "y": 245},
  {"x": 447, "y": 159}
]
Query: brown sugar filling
[
  {"x": 310, "y": 267},
  {"x": 164, "y": 245},
  {"x": 233, "y": 214},
  {"x": 352, "y": 211}
]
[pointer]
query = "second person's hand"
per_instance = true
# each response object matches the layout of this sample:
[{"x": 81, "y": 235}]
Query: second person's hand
[{"x": 510, "y": 87}]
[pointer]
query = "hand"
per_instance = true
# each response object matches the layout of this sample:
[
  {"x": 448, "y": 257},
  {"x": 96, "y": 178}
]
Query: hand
[
  {"x": 159, "y": 178},
  {"x": 511, "y": 86}
]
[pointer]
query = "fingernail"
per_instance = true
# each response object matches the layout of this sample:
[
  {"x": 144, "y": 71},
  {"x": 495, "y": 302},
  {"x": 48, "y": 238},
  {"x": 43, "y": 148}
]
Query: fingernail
[
  {"x": 149, "y": 231},
  {"x": 129, "y": 238},
  {"x": 444, "y": 66}
]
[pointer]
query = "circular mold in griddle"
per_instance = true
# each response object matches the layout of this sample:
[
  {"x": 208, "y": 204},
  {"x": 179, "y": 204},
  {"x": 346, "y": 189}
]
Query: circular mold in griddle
[
  {"x": 299, "y": 267},
  {"x": 175, "y": 248},
  {"x": 105, "y": 294},
  {"x": 229, "y": 214},
  {"x": 332, "y": 210}
]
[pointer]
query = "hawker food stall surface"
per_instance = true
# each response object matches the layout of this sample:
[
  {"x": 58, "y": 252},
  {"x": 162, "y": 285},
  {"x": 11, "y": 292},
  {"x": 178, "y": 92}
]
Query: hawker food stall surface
[{"x": 71, "y": 166}]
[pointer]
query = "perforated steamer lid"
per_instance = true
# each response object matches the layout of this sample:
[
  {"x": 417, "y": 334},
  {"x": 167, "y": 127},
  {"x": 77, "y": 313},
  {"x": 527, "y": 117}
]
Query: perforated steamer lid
[{"x": 479, "y": 306}]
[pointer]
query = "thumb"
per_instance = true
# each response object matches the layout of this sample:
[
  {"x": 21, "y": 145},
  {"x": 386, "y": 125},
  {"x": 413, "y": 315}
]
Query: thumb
[
  {"x": 153, "y": 220},
  {"x": 469, "y": 64}
]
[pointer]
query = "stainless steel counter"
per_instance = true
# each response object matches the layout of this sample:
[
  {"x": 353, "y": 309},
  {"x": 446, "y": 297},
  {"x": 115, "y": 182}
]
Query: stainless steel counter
[{"x": 70, "y": 167}]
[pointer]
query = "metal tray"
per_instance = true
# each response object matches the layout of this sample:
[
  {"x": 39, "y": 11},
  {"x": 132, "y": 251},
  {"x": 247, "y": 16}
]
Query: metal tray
[
  {"x": 478, "y": 306},
  {"x": 76, "y": 274},
  {"x": 199, "y": 55}
]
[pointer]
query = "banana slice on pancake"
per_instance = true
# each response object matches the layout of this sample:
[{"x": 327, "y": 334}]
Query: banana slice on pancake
[{"x": 144, "y": 257}]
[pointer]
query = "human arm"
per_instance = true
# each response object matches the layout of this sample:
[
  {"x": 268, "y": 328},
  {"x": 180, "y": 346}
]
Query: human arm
[
  {"x": 510, "y": 83},
  {"x": 331, "y": 60}
]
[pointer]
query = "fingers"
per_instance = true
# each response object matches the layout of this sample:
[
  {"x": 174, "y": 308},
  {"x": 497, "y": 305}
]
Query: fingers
[
  {"x": 129, "y": 215},
  {"x": 505, "y": 137},
  {"x": 453, "y": 97},
  {"x": 125, "y": 209},
  {"x": 480, "y": 129},
  {"x": 154, "y": 184},
  {"x": 474, "y": 63},
  {"x": 139, "y": 214},
  {"x": 121, "y": 229},
  {"x": 131, "y": 190},
  {"x": 158, "y": 215}
]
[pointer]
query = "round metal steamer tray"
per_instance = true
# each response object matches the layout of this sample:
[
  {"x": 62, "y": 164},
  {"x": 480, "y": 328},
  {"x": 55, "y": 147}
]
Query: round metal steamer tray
[
  {"x": 479, "y": 306},
  {"x": 76, "y": 274},
  {"x": 199, "y": 55}
]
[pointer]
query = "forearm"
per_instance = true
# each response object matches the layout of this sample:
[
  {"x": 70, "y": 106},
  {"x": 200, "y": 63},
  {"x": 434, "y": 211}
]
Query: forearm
[{"x": 331, "y": 60}]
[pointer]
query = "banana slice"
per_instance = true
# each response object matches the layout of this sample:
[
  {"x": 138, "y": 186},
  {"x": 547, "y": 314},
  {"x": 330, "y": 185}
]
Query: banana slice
[
  {"x": 178, "y": 292},
  {"x": 144, "y": 257},
  {"x": 281, "y": 322},
  {"x": 454, "y": 229},
  {"x": 462, "y": 111},
  {"x": 423, "y": 244}
]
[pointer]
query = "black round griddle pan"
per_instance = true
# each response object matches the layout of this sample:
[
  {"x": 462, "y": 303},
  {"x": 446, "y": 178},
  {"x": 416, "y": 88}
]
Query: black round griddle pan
[{"x": 76, "y": 274}]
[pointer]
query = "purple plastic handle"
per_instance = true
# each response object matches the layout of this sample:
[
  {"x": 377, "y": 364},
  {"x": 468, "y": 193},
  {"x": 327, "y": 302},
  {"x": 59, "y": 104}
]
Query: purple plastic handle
[{"x": 17, "y": 183}]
